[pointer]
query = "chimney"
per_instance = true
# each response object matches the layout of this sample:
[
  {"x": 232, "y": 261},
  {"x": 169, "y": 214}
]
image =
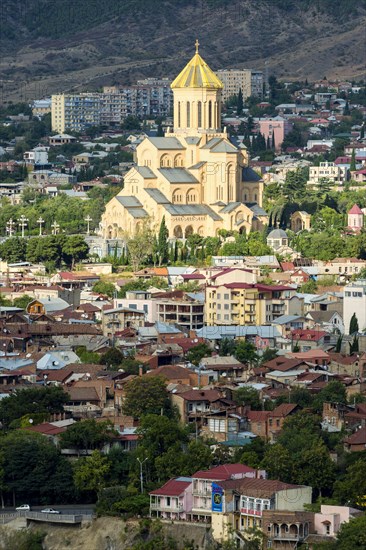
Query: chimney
[{"x": 140, "y": 370}]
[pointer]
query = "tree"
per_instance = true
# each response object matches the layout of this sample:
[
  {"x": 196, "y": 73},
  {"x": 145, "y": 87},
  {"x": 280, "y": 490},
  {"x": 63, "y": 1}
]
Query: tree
[
  {"x": 140, "y": 247},
  {"x": 30, "y": 401},
  {"x": 87, "y": 435},
  {"x": 195, "y": 354},
  {"x": 146, "y": 395},
  {"x": 352, "y": 534},
  {"x": 278, "y": 462},
  {"x": 23, "y": 301},
  {"x": 351, "y": 488},
  {"x": 90, "y": 473},
  {"x": 74, "y": 250},
  {"x": 352, "y": 167},
  {"x": 308, "y": 472},
  {"x": 112, "y": 358},
  {"x": 240, "y": 103},
  {"x": 353, "y": 325},
  {"x": 106, "y": 288},
  {"x": 247, "y": 396},
  {"x": 13, "y": 250},
  {"x": 333, "y": 392},
  {"x": 163, "y": 243},
  {"x": 246, "y": 352}
]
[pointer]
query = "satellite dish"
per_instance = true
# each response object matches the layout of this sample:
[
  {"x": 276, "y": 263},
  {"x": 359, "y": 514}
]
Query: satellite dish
[{"x": 195, "y": 340}]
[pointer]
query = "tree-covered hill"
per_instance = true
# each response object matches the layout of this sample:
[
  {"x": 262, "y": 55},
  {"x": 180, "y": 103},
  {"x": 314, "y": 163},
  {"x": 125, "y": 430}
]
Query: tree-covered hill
[{"x": 47, "y": 46}]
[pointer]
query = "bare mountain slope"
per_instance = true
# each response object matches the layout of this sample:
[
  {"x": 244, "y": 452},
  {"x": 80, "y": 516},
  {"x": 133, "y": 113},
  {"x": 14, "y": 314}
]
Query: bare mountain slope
[{"x": 49, "y": 46}]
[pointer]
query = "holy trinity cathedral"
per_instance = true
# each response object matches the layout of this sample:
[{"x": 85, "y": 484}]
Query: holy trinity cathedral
[{"x": 194, "y": 176}]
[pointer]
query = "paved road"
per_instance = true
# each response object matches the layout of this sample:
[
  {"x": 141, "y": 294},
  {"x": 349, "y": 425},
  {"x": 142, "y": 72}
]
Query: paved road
[{"x": 73, "y": 509}]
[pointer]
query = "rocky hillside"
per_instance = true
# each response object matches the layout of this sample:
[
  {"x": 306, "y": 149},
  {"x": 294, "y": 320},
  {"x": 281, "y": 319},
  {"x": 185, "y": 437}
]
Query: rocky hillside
[{"x": 49, "y": 46}]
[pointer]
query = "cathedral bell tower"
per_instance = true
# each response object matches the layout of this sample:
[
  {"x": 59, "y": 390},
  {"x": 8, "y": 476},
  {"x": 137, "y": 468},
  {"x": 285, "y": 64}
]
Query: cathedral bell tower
[{"x": 197, "y": 99}]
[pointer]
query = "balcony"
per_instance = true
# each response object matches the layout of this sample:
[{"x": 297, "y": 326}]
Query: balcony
[{"x": 166, "y": 508}]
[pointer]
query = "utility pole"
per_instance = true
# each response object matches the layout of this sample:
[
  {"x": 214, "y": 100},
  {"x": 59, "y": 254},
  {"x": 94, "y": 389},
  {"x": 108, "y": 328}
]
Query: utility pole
[
  {"x": 10, "y": 227},
  {"x": 40, "y": 221},
  {"x": 141, "y": 462},
  {"x": 88, "y": 219},
  {"x": 55, "y": 227},
  {"x": 23, "y": 223}
]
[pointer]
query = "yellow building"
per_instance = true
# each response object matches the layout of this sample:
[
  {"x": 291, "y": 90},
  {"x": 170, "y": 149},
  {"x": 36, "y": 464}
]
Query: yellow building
[
  {"x": 194, "y": 176},
  {"x": 249, "y": 304}
]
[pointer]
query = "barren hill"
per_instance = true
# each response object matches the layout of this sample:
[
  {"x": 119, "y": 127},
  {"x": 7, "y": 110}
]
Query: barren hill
[{"x": 49, "y": 46}]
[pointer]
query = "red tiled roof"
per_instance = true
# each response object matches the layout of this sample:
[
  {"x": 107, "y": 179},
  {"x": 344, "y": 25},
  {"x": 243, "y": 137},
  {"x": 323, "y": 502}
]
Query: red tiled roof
[
  {"x": 309, "y": 335},
  {"x": 201, "y": 395},
  {"x": 223, "y": 472},
  {"x": 172, "y": 488},
  {"x": 284, "y": 409},
  {"x": 46, "y": 429},
  {"x": 355, "y": 210},
  {"x": 193, "y": 276},
  {"x": 358, "y": 438},
  {"x": 258, "y": 416}
]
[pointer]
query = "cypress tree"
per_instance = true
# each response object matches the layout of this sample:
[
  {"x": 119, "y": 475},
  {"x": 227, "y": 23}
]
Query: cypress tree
[
  {"x": 240, "y": 103},
  {"x": 273, "y": 142},
  {"x": 353, "y": 325},
  {"x": 352, "y": 167},
  {"x": 163, "y": 243},
  {"x": 362, "y": 132}
]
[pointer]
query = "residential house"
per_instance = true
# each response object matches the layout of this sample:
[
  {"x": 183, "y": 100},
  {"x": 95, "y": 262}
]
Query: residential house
[
  {"x": 357, "y": 441},
  {"x": 173, "y": 500},
  {"x": 329, "y": 321},
  {"x": 114, "y": 320},
  {"x": 204, "y": 480},
  {"x": 44, "y": 306},
  {"x": 251, "y": 503},
  {"x": 327, "y": 523},
  {"x": 354, "y": 302},
  {"x": 193, "y": 405}
]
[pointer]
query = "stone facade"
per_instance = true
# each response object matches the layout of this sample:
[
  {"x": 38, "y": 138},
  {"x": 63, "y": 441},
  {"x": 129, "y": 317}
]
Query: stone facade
[{"x": 194, "y": 176}]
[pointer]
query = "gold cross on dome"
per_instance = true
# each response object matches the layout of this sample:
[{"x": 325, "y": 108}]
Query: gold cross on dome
[{"x": 197, "y": 44}]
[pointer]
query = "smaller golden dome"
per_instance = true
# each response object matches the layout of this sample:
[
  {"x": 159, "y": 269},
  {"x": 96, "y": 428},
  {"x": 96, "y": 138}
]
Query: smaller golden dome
[{"x": 197, "y": 74}]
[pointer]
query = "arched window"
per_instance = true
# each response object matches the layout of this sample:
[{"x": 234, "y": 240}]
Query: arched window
[
  {"x": 210, "y": 114},
  {"x": 178, "y": 161},
  {"x": 188, "y": 114},
  {"x": 178, "y": 233},
  {"x": 178, "y": 114},
  {"x": 165, "y": 161},
  {"x": 218, "y": 121},
  {"x": 177, "y": 196},
  {"x": 199, "y": 114},
  {"x": 191, "y": 196}
]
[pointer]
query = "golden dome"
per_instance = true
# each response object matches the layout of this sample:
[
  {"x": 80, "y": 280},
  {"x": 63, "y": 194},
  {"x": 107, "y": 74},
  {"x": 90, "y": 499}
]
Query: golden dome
[{"x": 197, "y": 74}]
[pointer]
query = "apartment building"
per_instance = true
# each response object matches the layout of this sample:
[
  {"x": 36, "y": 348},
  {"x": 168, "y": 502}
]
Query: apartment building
[
  {"x": 354, "y": 301},
  {"x": 187, "y": 311},
  {"x": 248, "y": 81},
  {"x": 274, "y": 130},
  {"x": 329, "y": 171},
  {"x": 77, "y": 112},
  {"x": 249, "y": 304},
  {"x": 254, "y": 503}
]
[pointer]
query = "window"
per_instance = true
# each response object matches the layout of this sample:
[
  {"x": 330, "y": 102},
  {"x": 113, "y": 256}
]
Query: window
[
  {"x": 226, "y": 296},
  {"x": 199, "y": 114},
  {"x": 188, "y": 114},
  {"x": 210, "y": 114}
]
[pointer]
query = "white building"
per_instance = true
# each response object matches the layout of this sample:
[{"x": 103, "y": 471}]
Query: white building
[
  {"x": 38, "y": 155},
  {"x": 327, "y": 171},
  {"x": 354, "y": 301}
]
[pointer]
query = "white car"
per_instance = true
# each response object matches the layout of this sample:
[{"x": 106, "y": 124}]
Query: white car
[
  {"x": 23, "y": 508},
  {"x": 50, "y": 511}
]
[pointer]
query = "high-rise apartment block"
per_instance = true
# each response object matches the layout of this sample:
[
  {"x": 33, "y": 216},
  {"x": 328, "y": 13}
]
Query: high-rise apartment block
[
  {"x": 250, "y": 82},
  {"x": 77, "y": 112}
]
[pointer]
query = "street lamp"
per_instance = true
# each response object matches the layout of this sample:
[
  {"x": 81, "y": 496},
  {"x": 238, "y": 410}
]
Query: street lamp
[
  {"x": 141, "y": 462},
  {"x": 88, "y": 219},
  {"x": 40, "y": 221},
  {"x": 55, "y": 227},
  {"x": 10, "y": 227},
  {"x": 23, "y": 223}
]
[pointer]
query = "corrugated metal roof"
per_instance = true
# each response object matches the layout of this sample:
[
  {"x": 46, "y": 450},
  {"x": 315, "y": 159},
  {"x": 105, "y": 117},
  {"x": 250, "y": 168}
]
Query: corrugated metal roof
[
  {"x": 138, "y": 212},
  {"x": 166, "y": 142},
  {"x": 157, "y": 196},
  {"x": 192, "y": 210},
  {"x": 224, "y": 147},
  {"x": 178, "y": 175},
  {"x": 218, "y": 332},
  {"x": 198, "y": 165},
  {"x": 145, "y": 172},
  {"x": 192, "y": 140},
  {"x": 230, "y": 207},
  {"x": 248, "y": 174},
  {"x": 211, "y": 143},
  {"x": 128, "y": 202},
  {"x": 256, "y": 209}
]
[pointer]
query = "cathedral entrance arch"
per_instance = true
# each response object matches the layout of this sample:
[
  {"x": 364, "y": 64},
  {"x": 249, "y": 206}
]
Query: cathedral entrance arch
[
  {"x": 188, "y": 231},
  {"x": 178, "y": 233}
]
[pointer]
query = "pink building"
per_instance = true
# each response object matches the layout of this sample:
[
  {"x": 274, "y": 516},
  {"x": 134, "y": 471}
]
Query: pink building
[
  {"x": 330, "y": 518},
  {"x": 355, "y": 219},
  {"x": 173, "y": 500},
  {"x": 277, "y": 128}
]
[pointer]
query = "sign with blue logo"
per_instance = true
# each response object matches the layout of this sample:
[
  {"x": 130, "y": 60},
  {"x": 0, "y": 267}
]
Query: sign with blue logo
[{"x": 217, "y": 498}]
